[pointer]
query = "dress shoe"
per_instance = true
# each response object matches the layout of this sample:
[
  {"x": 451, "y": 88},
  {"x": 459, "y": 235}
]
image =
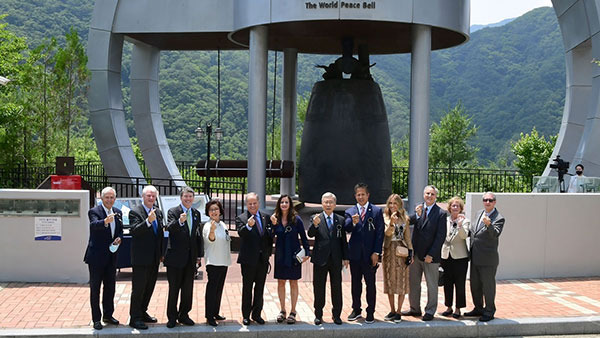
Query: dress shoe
[
  {"x": 318, "y": 321},
  {"x": 411, "y": 313},
  {"x": 370, "y": 319},
  {"x": 456, "y": 315},
  {"x": 110, "y": 320},
  {"x": 148, "y": 318},
  {"x": 427, "y": 317},
  {"x": 259, "y": 320},
  {"x": 354, "y": 315},
  {"x": 138, "y": 324},
  {"x": 97, "y": 325},
  {"x": 186, "y": 321},
  {"x": 246, "y": 321},
  {"x": 171, "y": 323},
  {"x": 486, "y": 318},
  {"x": 337, "y": 321},
  {"x": 212, "y": 322},
  {"x": 473, "y": 313},
  {"x": 219, "y": 317},
  {"x": 447, "y": 313}
]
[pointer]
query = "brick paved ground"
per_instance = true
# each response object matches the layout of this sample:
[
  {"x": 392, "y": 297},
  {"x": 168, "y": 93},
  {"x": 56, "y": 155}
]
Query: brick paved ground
[{"x": 52, "y": 305}]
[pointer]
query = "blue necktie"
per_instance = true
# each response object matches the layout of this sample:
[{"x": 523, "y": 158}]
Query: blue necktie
[
  {"x": 329, "y": 223},
  {"x": 155, "y": 226}
]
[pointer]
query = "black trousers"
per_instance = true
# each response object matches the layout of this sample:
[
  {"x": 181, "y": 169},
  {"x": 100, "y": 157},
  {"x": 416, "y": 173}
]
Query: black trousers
[
  {"x": 253, "y": 276},
  {"x": 142, "y": 287},
  {"x": 181, "y": 280},
  {"x": 455, "y": 276},
  {"x": 214, "y": 289},
  {"x": 358, "y": 270},
  {"x": 335, "y": 282},
  {"x": 102, "y": 274}
]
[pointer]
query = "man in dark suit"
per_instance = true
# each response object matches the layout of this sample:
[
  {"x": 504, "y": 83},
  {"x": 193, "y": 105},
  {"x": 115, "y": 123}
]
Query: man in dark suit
[
  {"x": 329, "y": 254},
  {"x": 256, "y": 245},
  {"x": 146, "y": 222},
  {"x": 484, "y": 258},
  {"x": 106, "y": 233},
  {"x": 428, "y": 235},
  {"x": 184, "y": 251},
  {"x": 365, "y": 222}
]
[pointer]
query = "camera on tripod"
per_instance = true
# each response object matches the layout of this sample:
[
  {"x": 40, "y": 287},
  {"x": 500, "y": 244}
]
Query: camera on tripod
[{"x": 562, "y": 167}]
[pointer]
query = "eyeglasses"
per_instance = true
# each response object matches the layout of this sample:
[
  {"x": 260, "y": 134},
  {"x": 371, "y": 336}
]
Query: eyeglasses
[{"x": 490, "y": 200}]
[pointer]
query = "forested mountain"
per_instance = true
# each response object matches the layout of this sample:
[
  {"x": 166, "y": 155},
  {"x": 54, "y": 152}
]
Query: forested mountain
[{"x": 509, "y": 79}]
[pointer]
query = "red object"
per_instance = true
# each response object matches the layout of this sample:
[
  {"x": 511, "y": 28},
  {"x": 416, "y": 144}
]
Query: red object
[{"x": 71, "y": 182}]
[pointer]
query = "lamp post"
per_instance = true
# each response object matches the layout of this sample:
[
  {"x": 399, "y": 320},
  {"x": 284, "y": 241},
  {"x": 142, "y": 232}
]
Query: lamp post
[{"x": 208, "y": 131}]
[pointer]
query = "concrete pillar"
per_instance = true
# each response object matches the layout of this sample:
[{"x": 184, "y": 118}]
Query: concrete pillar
[
  {"x": 419, "y": 113},
  {"x": 257, "y": 112},
  {"x": 288, "y": 117}
]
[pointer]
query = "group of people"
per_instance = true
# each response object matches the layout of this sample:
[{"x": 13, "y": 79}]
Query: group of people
[{"x": 376, "y": 235}]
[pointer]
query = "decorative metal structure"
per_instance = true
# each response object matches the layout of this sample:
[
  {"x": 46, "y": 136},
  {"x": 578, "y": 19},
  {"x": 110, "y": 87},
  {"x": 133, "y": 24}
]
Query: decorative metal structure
[{"x": 388, "y": 26}]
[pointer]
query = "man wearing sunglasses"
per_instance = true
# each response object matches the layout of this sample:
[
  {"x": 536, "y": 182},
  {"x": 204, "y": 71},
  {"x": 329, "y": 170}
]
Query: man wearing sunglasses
[{"x": 484, "y": 235}]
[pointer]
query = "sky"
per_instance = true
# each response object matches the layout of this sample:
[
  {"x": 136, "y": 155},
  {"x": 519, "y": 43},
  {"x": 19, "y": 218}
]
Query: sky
[{"x": 485, "y": 12}]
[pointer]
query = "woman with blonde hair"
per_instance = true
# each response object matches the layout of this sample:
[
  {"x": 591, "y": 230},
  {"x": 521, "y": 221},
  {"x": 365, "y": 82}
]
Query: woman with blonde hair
[
  {"x": 397, "y": 254},
  {"x": 455, "y": 257}
]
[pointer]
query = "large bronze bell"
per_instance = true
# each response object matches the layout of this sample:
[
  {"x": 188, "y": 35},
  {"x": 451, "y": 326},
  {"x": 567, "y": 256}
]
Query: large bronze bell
[{"x": 346, "y": 140}]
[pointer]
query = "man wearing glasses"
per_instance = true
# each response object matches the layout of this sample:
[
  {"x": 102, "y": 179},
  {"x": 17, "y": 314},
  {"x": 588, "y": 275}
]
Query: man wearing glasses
[{"x": 484, "y": 258}]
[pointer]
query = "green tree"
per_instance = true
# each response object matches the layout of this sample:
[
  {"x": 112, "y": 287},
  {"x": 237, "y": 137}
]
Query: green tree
[
  {"x": 71, "y": 76},
  {"x": 533, "y": 152},
  {"x": 450, "y": 139}
]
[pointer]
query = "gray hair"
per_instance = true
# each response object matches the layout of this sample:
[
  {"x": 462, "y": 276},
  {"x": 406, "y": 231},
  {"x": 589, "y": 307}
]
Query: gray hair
[
  {"x": 251, "y": 194},
  {"x": 149, "y": 188},
  {"x": 437, "y": 192},
  {"x": 329, "y": 195},
  {"x": 106, "y": 190},
  {"x": 185, "y": 190},
  {"x": 489, "y": 193}
]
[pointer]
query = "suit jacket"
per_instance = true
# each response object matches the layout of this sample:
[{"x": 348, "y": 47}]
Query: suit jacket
[
  {"x": 484, "y": 241},
  {"x": 367, "y": 235},
  {"x": 428, "y": 236},
  {"x": 97, "y": 252},
  {"x": 254, "y": 248},
  {"x": 146, "y": 246},
  {"x": 328, "y": 243},
  {"x": 455, "y": 244},
  {"x": 182, "y": 247}
]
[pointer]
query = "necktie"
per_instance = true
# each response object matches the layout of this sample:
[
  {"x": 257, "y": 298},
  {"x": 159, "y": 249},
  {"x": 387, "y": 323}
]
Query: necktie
[
  {"x": 424, "y": 214},
  {"x": 155, "y": 226},
  {"x": 257, "y": 218},
  {"x": 363, "y": 212},
  {"x": 329, "y": 223},
  {"x": 189, "y": 220}
]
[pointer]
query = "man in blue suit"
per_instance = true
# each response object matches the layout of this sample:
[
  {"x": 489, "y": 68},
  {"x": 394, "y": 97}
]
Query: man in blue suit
[
  {"x": 106, "y": 232},
  {"x": 365, "y": 222},
  {"x": 428, "y": 236}
]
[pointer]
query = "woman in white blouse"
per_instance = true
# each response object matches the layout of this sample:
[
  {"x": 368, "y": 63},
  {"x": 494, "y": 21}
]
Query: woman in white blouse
[
  {"x": 217, "y": 256},
  {"x": 455, "y": 257}
]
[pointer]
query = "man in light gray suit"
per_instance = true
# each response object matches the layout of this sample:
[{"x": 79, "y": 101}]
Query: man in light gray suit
[{"x": 484, "y": 235}]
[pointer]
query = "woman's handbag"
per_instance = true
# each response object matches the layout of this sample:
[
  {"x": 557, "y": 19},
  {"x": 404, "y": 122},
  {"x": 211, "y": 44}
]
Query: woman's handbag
[
  {"x": 401, "y": 251},
  {"x": 441, "y": 276}
]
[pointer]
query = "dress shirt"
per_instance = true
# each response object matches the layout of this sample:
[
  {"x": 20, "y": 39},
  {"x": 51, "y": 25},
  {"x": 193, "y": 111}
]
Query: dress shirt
[{"x": 112, "y": 224}]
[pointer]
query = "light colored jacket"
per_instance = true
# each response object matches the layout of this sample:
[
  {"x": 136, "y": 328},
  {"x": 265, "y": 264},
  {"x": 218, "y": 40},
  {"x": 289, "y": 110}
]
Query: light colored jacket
[{"x": 456, "y": 239}]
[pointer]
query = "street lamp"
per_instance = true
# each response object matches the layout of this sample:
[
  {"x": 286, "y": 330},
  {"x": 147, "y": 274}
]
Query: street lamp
[{"x": 208, "y": 131}]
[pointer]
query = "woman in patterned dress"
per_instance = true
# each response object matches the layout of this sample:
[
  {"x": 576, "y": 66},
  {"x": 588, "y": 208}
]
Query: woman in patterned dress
[{"x": 395, "y": 267}]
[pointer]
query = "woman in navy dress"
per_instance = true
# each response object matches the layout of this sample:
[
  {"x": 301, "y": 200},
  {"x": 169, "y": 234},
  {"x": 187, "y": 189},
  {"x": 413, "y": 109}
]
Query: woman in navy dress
[{"x": 289, "y": 229}]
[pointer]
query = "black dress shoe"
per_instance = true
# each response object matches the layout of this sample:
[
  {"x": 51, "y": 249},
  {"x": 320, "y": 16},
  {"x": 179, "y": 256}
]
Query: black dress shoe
[
  {"x": 97, "y": 325},
  {"x": 337, "y": 320},
  {"x": 318, "y": 321},
  {"x": 411, "y": 313},
  {"x": 246, "y": 321},
  {"x": 447, "y": 313},
  {"x": 456, "y": 315},
  {"x": 171, "y": 324},
  {"x": 473, "y": 313},
  {"x": 186, "y": 321},
  {"x": 110, "y": 320},
  {"x": 212, "y": 322},
  {"x": 259, "y": 320},
  {"x": 427, "y": 317},
  {"x": 138, "y": 324},
  {"x": 486, "y": 318},
  {"x": 219, "y": 317},
  {"x": 148, "y": 318}
]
